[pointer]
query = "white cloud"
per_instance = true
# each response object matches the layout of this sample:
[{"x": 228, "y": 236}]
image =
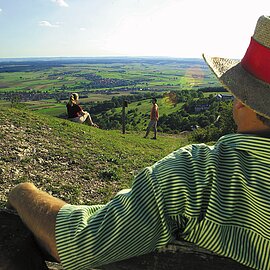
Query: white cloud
[
  {"x": 60, "y": 3},
  {"x": 48, "y": 24},
  {"x": 82, "y": 29},
  {"x": 0, "y": 9}
]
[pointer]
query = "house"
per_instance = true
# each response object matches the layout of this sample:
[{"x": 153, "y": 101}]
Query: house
[
  {"x": 201, "y": 107},
  {"x": 224, "y": 97}
]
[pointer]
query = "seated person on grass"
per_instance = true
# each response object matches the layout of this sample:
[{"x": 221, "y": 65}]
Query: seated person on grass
[{"x": 76, "y": 113}]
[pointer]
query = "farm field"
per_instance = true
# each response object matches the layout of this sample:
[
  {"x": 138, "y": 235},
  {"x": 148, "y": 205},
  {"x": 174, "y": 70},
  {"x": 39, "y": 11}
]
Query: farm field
[
  {"x": 53, "y": 108},
  {"x": 45, "y": 85},
  {"x": 161, "y": 74}
]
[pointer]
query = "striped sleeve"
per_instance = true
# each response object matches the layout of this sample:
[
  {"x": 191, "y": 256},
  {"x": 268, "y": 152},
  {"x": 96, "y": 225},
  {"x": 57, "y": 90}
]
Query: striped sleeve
[
  {"x": 133, "y": 223},
  {"x": 216, "y": 197}
]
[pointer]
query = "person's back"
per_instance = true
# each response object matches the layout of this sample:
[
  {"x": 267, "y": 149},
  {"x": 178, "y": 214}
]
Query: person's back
[
  {"x": 218, "y": 197},
  {"x": 76, "y": 113},
  {"x": 73, "y": 110},
  {"x": 154, "y": 112}
]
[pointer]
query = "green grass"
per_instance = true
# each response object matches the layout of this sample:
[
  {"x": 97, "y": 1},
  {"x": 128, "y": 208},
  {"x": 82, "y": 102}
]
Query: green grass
[
  {"x": 102, "y": 97},
  {"x": 143, "y": 108},
  {"x": 107, "y": 158},
  {"x": 54, "y": 111}
]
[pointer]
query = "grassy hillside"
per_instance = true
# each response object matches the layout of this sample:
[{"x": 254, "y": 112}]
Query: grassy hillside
[
  {"x": 138, "y": 113},
  {"x": 77, "y": 163}
]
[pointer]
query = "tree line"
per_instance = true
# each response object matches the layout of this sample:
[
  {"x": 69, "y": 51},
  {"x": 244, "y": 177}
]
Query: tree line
[{"x": 196, "y": 112}]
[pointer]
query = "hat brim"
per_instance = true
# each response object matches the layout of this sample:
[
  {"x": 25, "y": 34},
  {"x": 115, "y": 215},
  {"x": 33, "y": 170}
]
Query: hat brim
[{"x": 252, "y": 92}]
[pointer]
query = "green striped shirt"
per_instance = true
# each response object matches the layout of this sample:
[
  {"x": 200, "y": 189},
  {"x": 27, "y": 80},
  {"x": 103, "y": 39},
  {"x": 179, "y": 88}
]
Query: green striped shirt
[{"x": 217, "y": 197}]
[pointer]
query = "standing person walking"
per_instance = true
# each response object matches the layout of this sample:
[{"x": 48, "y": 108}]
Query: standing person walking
[{"x": 153, "y": 119}]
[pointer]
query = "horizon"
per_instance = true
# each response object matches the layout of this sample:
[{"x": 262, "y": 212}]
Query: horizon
[
  {"x": 127, "y": 28},
  {"x": 100, "y": 57}
]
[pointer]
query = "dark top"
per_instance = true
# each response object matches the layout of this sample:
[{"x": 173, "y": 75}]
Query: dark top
[{"x": 73, "y": 111}]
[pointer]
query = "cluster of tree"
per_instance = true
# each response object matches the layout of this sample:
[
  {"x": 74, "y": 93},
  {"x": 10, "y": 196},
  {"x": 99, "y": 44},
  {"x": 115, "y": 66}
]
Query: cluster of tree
[
  {"x": 113, "y": 119},
  {"x": 224, "y": 125},
  {"x": 188, "y": 118},
  {"x": 183, "y": 96},
  {"x": 200, "y": 104},
  {"x": 207, "y": 124},
  {"x": 33, "y": 95},
  {"x": 213, "y": 89},
  {"x": 115, "y": 102},
  {"x": 28, "y": 66}
]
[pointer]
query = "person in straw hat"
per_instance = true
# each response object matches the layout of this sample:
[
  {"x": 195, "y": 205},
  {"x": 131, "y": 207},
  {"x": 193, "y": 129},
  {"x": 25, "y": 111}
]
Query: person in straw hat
[{"x": 217, "y": 196}]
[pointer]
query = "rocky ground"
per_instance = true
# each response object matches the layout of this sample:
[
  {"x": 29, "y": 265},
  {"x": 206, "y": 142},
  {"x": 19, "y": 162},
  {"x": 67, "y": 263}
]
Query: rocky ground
[
  {"x": 36, "y": 155},
  {"x": 76, "y": 163},
  {"x": 33, "y": 153}
]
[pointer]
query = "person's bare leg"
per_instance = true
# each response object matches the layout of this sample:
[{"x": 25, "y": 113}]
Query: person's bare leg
[
  {"x": 38, "y": 210},
  {"x": 89, "y": 121}
]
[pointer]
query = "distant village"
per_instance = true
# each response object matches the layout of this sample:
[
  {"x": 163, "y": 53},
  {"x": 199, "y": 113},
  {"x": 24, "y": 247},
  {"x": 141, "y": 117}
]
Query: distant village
[{"x": 63, "y": 94}]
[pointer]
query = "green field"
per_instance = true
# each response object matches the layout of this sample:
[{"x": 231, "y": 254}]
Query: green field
[
  {"x": 52, "y": 84},
  {"x": 142, "y": 110},
  {"x": 170, "y": 75},
  {"x": 145, "y": 106}
]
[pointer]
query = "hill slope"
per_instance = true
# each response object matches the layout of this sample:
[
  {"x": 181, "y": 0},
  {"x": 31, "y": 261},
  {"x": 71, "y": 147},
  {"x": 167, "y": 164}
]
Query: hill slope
[{"x": 77, "y": 163}]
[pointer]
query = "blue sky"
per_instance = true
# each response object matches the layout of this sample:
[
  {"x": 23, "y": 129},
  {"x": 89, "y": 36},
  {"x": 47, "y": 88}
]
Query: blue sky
[{"x": 176, "y": 28}]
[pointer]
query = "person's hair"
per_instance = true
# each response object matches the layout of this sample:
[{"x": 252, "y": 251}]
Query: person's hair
[
  {"x": 263, "y": 119},
  {"x": 153, "y": 98},
  {"x": 73, "y": 98}
]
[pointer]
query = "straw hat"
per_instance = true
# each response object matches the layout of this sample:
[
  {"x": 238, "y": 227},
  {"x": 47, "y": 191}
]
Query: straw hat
[{"x": 249, "y": 79}]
